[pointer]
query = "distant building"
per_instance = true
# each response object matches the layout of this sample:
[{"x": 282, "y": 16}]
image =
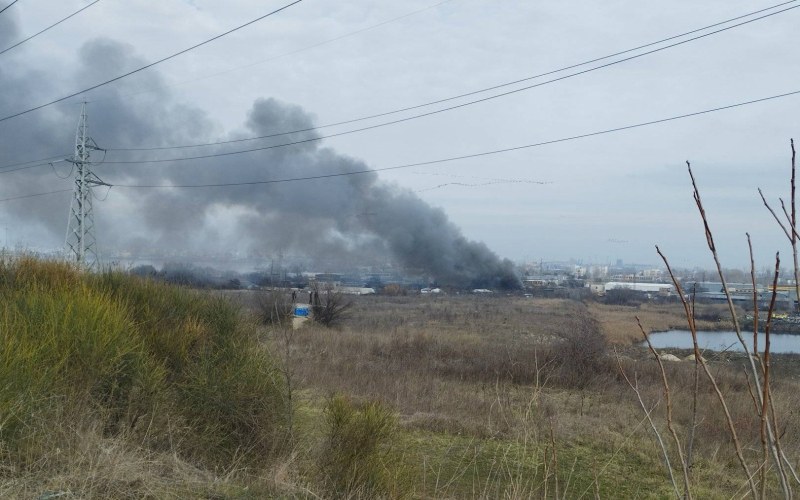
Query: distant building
[
  {"x": 650, "y": 274},
  {"x": 662, "y": 288},
  {"x": 740, "y": 293},
  {"x": 355, "y": 290}
]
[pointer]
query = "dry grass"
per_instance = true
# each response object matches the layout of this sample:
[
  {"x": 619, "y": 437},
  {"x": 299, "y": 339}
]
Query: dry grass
[
  {"x": 103, "y": 372},
  {"x": 471, "y": 397},
  {"x": 618, "y": 323},
  {"x": 479, "y": 383}
]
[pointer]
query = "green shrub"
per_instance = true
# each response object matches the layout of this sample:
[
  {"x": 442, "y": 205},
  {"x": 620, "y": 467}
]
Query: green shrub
[
  {"x": 111, "y": 349},
  {"x": 356, "y": 458},
  {"x": 72, "y": 345}
]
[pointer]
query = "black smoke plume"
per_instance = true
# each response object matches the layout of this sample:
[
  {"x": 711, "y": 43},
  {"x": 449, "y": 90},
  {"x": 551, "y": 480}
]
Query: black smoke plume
[{"x": 356, "y": 219}]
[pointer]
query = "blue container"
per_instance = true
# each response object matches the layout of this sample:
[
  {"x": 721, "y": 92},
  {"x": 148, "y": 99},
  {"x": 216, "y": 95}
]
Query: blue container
[{"x": 301, "y": 311}]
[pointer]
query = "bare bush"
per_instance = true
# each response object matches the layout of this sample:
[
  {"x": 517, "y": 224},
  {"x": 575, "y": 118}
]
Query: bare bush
[
  {"x": 329, "y": 307},
  {"x": 275, "y": 308},
  {"x": 580, "y": 355}
]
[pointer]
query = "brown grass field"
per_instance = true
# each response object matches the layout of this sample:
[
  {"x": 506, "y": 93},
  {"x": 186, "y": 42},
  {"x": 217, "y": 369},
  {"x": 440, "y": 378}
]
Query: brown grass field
[
  {"x": 114, "y": 387},
  {"x": 512, "y": 397}
]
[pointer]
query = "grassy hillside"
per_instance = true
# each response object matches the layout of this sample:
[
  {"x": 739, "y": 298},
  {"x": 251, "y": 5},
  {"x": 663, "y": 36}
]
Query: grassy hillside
[
  {"x": 117, "y": 387},
  {"x": 104, "y": 377}
]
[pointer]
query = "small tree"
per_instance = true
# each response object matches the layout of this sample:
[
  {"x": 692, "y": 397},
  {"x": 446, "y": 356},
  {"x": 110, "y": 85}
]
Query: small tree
[{"x": 329, "y": 307}]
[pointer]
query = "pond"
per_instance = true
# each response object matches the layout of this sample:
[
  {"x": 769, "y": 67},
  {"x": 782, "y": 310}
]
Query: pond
[{"x": 724, "y": 341}]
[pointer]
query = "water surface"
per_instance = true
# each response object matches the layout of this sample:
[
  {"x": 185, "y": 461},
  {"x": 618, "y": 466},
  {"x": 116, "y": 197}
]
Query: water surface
[{"x": 724, "y": 341}]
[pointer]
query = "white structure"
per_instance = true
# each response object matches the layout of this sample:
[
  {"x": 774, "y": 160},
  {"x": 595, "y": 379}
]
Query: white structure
[
  {"x": 640, "y": 287},
  {"x": 651, "y": 274},
  {"x": 355, "y": 290},
  {"x": 80, "y": 241}
]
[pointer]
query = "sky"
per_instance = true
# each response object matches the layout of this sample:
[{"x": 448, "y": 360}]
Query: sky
[{"x": 597, "y": 199}]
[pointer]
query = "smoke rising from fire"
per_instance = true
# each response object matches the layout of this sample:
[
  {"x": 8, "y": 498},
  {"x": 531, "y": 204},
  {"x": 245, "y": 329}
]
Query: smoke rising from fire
[{"x": 355, "y": 219}]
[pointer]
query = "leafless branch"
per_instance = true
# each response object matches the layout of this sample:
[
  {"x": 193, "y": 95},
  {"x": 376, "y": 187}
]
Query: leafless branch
[
  {"x": 702, "y": 361},
  {"x": 684, "y": 465},
  {"x": 635, "y": 386},
  {"x": 755, "y": 296},
  {"x": 766, "y": 395},
  {"x": 774, "y": 215}
]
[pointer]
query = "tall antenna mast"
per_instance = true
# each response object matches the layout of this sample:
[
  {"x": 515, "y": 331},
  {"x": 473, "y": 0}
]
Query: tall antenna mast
[{"x": 80, "y": 241}]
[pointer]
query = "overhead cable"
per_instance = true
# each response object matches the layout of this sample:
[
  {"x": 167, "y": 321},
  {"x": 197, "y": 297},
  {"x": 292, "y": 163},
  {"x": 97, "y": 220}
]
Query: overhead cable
[
  {"x": 150, "y": 65},
  {"x": 290, "y": 53},
  {"x": 495, "y": 87},
  {"x": 413, "y": 117},
  {"x": 50, "y": 163},
  {"x": 217, "y": 143},
  {"x": 7, "y": 6},
  {"x": 468, "y": 156},
  {"x": 35, "y": 195},
  {"x": 430, "y": 162},
  {"x": 43, "y": 161},
  {"x": 46, "y": 29}
]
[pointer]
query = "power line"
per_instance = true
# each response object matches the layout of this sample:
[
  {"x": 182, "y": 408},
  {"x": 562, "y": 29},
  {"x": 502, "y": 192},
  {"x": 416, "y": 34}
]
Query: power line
[
  {"x": 480, "y": 184},
  {"x": 40, "y": 160},
  {"x": 46, "y": 29},
  {"x": 176, "y": 54},
  {"x": 309, "y": 47},
  {"x": 432, "y": 162},
  {"x": 426, "y": 104},
  {"x": 290, "y": 53},
  {"x": 495, "y": 87},
  {"x": 430, "y": 113},
  {"x": 7, "y": 6},
  {"x": 51, "y": 163},
  {"x": 473, "y": 177},
  {"x": 474, "y": 155},
  {"x": 36, "y": 195}
]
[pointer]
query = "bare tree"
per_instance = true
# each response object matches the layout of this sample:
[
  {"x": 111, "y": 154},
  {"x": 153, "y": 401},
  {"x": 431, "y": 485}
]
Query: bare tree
[{"x": 328, "y": 306}]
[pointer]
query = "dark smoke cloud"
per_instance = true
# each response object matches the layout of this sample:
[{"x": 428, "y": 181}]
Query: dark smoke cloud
[{"x": 345, "y": 220}]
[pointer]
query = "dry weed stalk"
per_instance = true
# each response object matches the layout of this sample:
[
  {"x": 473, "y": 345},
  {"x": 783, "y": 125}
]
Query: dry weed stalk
[
  {"x": 755, "y": 372},
  {"x": 791, "y": 234},
  {"x": 596, "y": 483},
  {"x": 790, "y": 219},
  {"x": 755, "y": 298},
  {"x": 635, "y": 386},
  {"x": 555, "y": 456},
  {"x": 693, "y": 426},
  {"x": 760, "y": 374},
  {"x": 704, "y": 364},
  {"x": 684, "y": 464},
  {"x": 765, "y": 397}
]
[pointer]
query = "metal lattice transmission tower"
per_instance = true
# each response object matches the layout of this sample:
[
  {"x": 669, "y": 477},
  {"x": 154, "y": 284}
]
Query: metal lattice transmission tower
[{"x": 81, "y": 245}]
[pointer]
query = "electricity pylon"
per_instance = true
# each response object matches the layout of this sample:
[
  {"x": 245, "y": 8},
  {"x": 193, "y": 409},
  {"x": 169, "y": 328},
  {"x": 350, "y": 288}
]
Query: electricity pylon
[{"x": 81, "y": 245}]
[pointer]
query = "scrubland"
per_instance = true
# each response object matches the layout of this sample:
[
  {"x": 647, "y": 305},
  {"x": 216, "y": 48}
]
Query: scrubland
[
  {"x": 115, "y": 387},
  {"x": 513, "y": 397}
]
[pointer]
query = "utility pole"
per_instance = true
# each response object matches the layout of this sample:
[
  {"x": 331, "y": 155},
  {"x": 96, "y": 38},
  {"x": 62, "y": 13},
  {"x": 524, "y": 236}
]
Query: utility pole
[{"x": 80, "y": 243}]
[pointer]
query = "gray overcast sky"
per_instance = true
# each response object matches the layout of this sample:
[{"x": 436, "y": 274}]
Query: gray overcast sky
[{"x": 604, "y": 198}]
